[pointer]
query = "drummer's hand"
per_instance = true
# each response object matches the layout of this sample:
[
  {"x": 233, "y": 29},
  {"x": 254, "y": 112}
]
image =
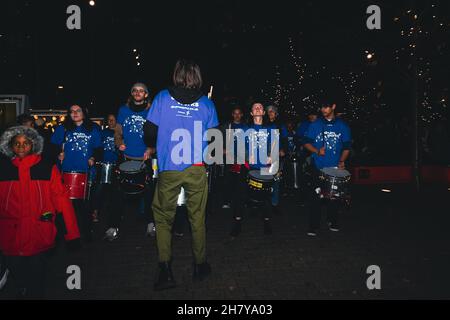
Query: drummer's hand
[
  {"x": 341, "y": 165},
  {"x": 61, "y": 156},
  {"x": 148, "y": 153},
  {"x": 282, "y": 153},
  {"x": 322, "y": 151},
  {"x": 122, "y": 147},
  {"x": 91, "y": 162}
]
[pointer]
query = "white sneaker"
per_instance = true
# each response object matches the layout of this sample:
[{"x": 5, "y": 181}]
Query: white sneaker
[
  {"x": 311, "y": 233},
  {"x": 3, "y": 276},
  {"x": 333, "y": 228},
  {"x": 111, "y": 234},
  {"x": 151, "y": 230}
]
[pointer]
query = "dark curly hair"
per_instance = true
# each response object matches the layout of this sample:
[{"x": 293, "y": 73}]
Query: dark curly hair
[{"x": 68, "y": 123}]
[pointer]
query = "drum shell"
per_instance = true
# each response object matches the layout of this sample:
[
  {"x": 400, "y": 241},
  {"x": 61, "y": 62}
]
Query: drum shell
[
  {"x": 333, "y": 188},
  {"x": 259, "y": 189},
  {"x": 106, "y": 172},
  {"x": 155, "y": 168},
  {"x": 76, "y": 184},
  {"x": 132, "y": 182}
]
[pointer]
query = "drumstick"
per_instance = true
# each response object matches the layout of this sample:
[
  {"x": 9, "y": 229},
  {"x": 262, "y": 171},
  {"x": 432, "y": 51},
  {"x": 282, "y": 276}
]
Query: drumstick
[{"x": 210, "y": 92}]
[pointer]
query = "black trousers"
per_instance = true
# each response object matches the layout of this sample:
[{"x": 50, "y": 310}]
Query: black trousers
[
  {"x": 102, "y": 196},
  {"x": 317, "y": 205},
  {"x": 120, "y": 198},
  {"x": 28, "y": 274},
  {"x": 83, "y": 217},
  {"x": 331, "y": 207},
  {"x": 242, "y": 197}
]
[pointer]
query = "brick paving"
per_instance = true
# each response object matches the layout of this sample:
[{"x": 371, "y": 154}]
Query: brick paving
[{"x": 406, "y": 235}]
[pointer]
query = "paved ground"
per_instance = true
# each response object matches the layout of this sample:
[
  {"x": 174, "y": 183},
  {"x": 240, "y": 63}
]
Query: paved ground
[{"x": 406, "y": 235}]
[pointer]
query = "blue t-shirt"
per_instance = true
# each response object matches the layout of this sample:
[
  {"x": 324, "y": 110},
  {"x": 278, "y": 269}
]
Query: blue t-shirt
[
  {"x": 290, "y": 138},
  {"x": 79, "y": 145},
  {"x": 283, "y": 131},
  {"x": 133, "y": 131},
  {"x": 185, "y": 145},
  {"x": 110, "y": 152},
  {"x": 334, "y": 135},
  {"x": 302, "y": 128},
  {"x": 259, "y": 144}
]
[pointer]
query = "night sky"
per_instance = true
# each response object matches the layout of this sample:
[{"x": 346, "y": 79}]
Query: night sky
[{"x": 240, "y": 45}]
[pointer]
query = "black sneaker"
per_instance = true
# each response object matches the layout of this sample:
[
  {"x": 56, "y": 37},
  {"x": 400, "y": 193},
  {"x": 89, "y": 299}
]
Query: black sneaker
[
  {"x": 201, "y": 271},
  {"x": 236, "y": 228},
  {"x": 267, "y": 227},
  {"x": 311, "y": 233},
  {"x": 165, "y": 277}
]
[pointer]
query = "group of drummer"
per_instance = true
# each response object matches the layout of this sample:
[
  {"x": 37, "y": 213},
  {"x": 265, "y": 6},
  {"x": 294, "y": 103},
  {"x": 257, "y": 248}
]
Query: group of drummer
[
  {"x": 129, "y": 145},
  {"x": 312, "y": 160}
]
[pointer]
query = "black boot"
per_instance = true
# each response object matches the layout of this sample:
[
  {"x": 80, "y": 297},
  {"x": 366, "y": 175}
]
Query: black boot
[
  {"x": 165, "y": 277},
  {"x": 201, "y": 271},
  {"x": 236, "y": 228}
]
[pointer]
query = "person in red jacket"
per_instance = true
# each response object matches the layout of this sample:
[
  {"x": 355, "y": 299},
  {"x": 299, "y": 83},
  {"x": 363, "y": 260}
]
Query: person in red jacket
[{"x": 31, "y": 194}]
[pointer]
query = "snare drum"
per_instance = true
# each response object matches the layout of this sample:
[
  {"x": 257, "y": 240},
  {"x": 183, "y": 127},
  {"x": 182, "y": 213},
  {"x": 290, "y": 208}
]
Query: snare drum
[
  {"x": 334, "y": 184},
  {"x": 106, "y": 172},
  {"x": 259, "y": 185},
  {"x": 76, "y": 183},
  {"x": 132, "y": 177}
]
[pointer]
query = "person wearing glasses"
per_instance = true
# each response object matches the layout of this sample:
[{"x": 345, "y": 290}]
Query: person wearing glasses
[
  {"x": 129, "y": 139},
  {"x": 79, "y": 142}
]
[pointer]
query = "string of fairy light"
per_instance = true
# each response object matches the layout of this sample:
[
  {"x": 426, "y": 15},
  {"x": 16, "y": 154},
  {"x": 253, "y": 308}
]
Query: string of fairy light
[
  {"x": 284, "y": 94},
  {"x": 354, "y": 100},
  {"x": 416, "y": 30},
  {"x": 417, "y": 36}
]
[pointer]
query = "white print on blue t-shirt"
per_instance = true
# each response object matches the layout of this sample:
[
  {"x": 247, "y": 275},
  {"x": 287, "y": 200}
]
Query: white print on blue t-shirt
[
  {"x": 108, "y": 144},
  {"x": 79, "y": 142},
  {"x": 185, "y": 110},
  {"x": 134, "y": 124},
  {"x": 258, "y": 139},
  {"x": 331, "y": 140}
]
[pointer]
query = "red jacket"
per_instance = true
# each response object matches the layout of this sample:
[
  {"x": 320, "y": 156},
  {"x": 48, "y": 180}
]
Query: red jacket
[{"x": 29, "y": 188}]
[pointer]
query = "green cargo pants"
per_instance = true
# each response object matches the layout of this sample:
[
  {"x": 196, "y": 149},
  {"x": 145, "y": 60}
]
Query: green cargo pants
[{"x": 195, "y": 184}]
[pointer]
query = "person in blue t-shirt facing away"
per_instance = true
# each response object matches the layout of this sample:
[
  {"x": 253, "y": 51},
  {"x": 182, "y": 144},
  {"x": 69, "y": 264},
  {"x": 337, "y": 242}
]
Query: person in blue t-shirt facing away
[
  {"x": 103, "y": 192},
  {"x": 329, "y": 141},
  {"x": 79, "y": 143},
  {"x": 260, "y": 139},
  {"x": 180, "y": 116},
  {"x": 129, "y": 139},
  {"x": 232, "y": 131}
]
